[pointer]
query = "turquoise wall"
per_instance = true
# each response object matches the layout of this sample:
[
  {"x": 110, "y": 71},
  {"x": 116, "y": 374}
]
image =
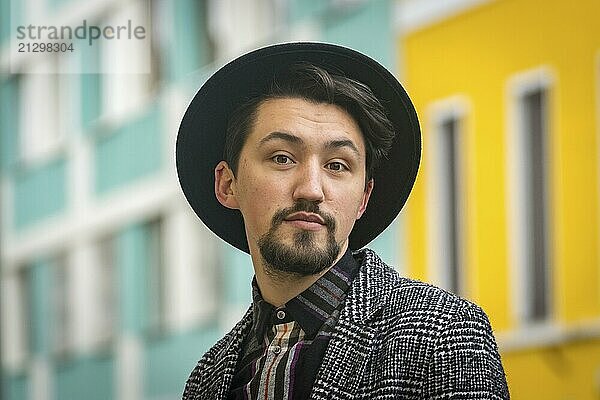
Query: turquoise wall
[
  {"x": 131, "y": 261},
  {"x": 10, "y": 9},
  {"x": 189, "y": 48},
  {"x": 15, "y": 386},
  {"x": 4, "y": 19},
  {"x": 169, "y": 360},
  {"x": 238, "y": 273},
  {"x": 387, "y": 244},
  {"x": 132, "y": 151},
  {"x": 9, "y": 121},
  {"x": 90, "y": 378},
  {"x": 367, "y": 28},
  {"x": 300, "y": 10},
  {"x": 57, "y": 4},
  {"x": 39, "y": 192}
]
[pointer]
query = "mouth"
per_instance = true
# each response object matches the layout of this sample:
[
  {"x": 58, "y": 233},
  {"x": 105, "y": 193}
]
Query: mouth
[{"x": 307, "y": 221}]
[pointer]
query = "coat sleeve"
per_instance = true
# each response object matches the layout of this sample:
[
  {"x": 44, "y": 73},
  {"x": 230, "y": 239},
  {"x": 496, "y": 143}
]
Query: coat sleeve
[{"x": 465, "y": 363}]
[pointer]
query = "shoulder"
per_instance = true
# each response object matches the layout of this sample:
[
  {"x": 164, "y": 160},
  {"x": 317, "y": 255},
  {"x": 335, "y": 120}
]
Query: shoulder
[
  {"x": 217, "y": 363},
  {"x": 399, "y": 301},
  {"x": 434, "y": 331}
]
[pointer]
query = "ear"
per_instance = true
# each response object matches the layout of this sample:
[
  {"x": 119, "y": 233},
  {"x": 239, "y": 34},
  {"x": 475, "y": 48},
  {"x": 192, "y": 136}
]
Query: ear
[
  {"x": 225, "y": 185},
  {"x": 365, "y": 199}
]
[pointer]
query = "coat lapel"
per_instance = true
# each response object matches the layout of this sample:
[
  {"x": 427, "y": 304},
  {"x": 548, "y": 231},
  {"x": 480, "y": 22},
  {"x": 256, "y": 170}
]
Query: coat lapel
[
  {"x": 225, "y": 361},
  {"x": 353, "y": 338}
]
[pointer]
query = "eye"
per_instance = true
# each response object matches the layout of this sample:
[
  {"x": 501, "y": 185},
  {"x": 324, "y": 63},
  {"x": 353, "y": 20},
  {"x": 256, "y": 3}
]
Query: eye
[
  {"x": 282, "y": 159},
  {"x": 337, "y": 166}
]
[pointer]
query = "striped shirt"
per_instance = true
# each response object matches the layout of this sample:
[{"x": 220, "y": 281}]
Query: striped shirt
[{"x": 282, "y": 354}]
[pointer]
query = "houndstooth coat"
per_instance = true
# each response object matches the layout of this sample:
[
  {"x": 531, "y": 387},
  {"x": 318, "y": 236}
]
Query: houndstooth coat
[{"x": 395, "y": 339}]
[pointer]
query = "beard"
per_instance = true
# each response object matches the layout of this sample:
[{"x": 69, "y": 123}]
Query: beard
[{"x": 304, "y": 256}]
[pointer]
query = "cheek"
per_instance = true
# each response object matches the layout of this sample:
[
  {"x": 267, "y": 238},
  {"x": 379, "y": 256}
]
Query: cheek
[
  {"x": 259, "y": 199},
  {"x": 348, "y": 209}
]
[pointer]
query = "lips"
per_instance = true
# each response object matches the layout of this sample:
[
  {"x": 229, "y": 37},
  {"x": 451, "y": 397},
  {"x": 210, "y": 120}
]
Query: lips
[{"x": 307, "y": 217}]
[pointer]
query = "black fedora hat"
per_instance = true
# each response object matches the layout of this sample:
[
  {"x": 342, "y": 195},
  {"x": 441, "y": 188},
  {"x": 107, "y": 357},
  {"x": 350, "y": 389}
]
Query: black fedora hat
[{"x": 201, "y": 138}]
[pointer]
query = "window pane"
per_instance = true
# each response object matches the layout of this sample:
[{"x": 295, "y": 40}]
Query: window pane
[
  {"x": 156, "y": 275},
  {"x": 448, "y": 203},
  {"x": 23, "y": 309},
  {"x": 534, "y": 126},
  {"x": 106, "y": 290},
  {"x": 62, "y": 306}
]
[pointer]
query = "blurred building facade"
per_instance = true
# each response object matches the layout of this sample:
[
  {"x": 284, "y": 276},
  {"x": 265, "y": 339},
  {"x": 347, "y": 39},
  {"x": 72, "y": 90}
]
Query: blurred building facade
[
  {"x": 110, "y": 286},
  {"x": 506, "y": 208}
]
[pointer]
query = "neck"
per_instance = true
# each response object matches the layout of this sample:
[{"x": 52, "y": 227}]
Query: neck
[{"x": 279, "y": 288}]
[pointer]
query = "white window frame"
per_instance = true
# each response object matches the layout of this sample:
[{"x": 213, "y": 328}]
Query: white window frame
[
  {"x": 456, "y": 108},
  {"x": 41, "y": 135},
  {"x": 125, "y": 66},
  {"x": 237, "y": 26},
  {"x": 15, "y": 317},
  {"x": 192, "y": 254},
  {"x": 519, "y": 85}
]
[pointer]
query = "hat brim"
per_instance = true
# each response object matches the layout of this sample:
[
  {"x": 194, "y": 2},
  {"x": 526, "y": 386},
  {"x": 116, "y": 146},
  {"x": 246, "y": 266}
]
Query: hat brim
[{"x": 201, "y": 137}]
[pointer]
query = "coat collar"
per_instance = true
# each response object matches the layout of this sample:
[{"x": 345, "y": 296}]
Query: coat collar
[
  {"x": 369, "y": 291},
  {"x": 354, "y": 335}
]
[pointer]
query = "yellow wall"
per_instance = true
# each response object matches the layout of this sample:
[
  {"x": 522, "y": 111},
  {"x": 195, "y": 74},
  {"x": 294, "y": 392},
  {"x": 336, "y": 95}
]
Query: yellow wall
[
  {"x": 474, "y": 54},
  {"x": 556, "y": 372}
]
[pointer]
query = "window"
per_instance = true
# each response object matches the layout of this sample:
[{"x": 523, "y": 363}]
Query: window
[
  {"x": 529, "y": 201},
  {"x": 448, "y": 135},
  {"x": 62, "y": 305},
  {"x": 125, "y": 64},
  {"x": 39, "y": 107},
  {"x": 533, "y": 105},
  {"x": 157, "y": 294},
  {"x": 105, "y": 292},
  {"x": 190, "y": 284},
  {"x": 445, "y": 199},
  {"x": 23, "y": 308},
  {"x": 157, "y": 42},
  {"x": 236, "y": 26},
  {"x": 9, "y": 120},
  {"x": 91, "y": 85},
  {"x": 16, "y": 317}
]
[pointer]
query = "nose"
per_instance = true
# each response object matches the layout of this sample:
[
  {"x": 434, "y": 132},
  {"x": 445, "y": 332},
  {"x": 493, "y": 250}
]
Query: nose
[{"x": 309, "y": 185}]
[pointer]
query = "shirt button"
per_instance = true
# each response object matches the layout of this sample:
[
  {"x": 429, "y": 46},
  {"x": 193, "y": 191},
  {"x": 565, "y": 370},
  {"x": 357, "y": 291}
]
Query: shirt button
[
  {"x": 281, "y": 314},
  {"x": 276, "y": 349}
]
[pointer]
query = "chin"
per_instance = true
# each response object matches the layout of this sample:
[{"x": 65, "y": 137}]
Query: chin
[{"x": 306, "y": 255}]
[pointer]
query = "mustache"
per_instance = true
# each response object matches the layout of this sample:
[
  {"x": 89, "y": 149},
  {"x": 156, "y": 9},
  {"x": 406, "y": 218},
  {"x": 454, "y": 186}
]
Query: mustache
[{"x": 304, "y": 206}]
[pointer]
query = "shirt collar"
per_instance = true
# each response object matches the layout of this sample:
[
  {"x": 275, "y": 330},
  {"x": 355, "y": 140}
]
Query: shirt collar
[{"x": 312, "y": 307}]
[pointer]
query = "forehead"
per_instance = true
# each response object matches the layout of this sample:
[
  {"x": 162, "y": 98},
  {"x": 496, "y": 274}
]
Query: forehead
[{"x": 310, "y": 121}]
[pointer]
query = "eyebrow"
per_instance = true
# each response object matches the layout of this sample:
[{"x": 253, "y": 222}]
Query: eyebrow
[
  {"x": 282, "y": 136},
  {"x": 331, "y": 145},
  {"x": 337, "y": 144}
]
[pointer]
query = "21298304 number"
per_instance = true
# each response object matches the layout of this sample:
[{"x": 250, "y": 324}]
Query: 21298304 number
[{"x": 45, "y": 47}]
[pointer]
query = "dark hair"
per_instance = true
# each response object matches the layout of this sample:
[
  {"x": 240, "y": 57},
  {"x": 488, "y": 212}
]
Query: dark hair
[{"x": 309, "y": 82}]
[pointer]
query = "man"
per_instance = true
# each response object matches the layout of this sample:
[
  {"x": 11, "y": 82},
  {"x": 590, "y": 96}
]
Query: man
[{"x": 300, "y": 154}]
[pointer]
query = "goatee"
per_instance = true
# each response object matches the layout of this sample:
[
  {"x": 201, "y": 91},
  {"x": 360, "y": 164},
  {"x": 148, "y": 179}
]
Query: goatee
[{"x": 304, "y": 257}]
